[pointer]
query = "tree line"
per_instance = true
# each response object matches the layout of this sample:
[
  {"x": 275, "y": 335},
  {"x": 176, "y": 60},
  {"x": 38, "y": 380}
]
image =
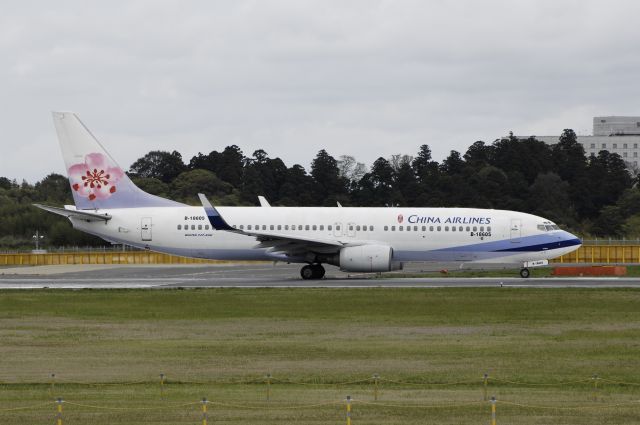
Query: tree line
[{"x": 593, "y": 196}]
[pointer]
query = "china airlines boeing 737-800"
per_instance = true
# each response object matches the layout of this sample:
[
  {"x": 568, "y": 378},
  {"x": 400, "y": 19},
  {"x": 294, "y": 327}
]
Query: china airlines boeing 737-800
[{"x": 109, "y": 205}]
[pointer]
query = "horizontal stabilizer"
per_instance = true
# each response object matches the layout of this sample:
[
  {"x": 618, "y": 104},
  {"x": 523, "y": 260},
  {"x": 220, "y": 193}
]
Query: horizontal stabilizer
[{"x": 82, "y": 215}]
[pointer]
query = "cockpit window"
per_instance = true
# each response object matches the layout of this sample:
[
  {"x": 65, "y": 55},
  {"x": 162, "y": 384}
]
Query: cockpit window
[{"x": 547, "y": 227}]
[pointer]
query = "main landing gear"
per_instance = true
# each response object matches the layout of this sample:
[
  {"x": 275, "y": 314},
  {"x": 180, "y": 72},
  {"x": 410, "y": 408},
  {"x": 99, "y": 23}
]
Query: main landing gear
[
  {"x": 524, "y": 273},
  {"x": 312, "y": 271}
]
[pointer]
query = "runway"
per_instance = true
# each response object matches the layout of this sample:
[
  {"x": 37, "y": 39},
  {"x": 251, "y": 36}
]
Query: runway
[{"x": 261, "y": 275}]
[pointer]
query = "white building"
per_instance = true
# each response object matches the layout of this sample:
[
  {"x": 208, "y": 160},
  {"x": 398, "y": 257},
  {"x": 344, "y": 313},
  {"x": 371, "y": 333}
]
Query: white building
[{"x": 615, "y": 134}]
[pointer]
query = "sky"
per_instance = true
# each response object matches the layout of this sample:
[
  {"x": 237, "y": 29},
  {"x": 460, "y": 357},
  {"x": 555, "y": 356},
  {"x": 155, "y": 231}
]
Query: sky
[{"x": 365, "y": 78}]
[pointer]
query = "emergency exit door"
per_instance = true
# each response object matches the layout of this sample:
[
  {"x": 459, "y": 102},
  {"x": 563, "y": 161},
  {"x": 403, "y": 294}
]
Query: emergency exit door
[{"x": 145, "y": 228}]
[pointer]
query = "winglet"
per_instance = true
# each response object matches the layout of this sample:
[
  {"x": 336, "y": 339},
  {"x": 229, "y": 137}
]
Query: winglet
[
  {"x": 215, "y": 218},
  {"x": 263, "y": 201}
]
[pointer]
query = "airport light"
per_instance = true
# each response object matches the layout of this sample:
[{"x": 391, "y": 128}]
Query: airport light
[{"x": 37, "y": 238}]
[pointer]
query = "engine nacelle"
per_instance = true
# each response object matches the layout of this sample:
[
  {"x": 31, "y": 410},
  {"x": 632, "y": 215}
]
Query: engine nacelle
[{"x": 366, "y": 258}]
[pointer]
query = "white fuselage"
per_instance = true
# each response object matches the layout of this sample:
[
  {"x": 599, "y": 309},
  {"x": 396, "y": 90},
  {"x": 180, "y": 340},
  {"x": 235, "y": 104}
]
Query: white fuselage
[{"x": 414, "y": 234}]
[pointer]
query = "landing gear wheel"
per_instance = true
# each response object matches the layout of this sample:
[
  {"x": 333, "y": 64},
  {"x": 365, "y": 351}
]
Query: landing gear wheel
[
  {"x": 524, "y": 273},
  {"x": 307, "y": 272},
  {"x": 312, "y": 271},
  {"x": 319, "y": 271}
]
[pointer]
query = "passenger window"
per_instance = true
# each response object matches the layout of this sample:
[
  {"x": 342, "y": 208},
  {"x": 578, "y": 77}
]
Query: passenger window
[
  {"x": 264, "y": 227},
  {"x": 386, "y": 228},
  {"x": 322, "y": 227},
  {"x": 439, "y": 228},
  {"x": 315, "y": 227},
  {"x": 400, "y": 228},
  {"x": 193, "y": 227},
  {"x": 408, "y": 228},
  {"x": 488, "y": 229},
  {"x": 371, "y": 228},
  {"x": 468, "y": 228},
  {"x": 271, "y": 227},
  {"x": 241, "y": 227},
  {"x": 350, "y": 227},
  {"x": 453, "y": 228},
  {"x": 279, "y": 226},
  {"x": 482, "y": 228},
  {"x": 179, "y": 226},
  {"x": 207, "y": 227},
  {"x": 330, "y": 227},
  {"x": 337, "y": 227},
  {"x": 446, "y": 228},
  {"x": 249, "y": 227},
  {"x": 358, "y": 228},
  {"x": 299, "y": 226},
  {"x": 431, "y": 228},
  {"x": 393, "y": 228},
  {"x": 475, "y": 228},
  {"x": 415, "y": 228},
  {"x": 200, "y": 226},
  {"x": 306, "y": 227},
  {"x": 424, "y": 228}
]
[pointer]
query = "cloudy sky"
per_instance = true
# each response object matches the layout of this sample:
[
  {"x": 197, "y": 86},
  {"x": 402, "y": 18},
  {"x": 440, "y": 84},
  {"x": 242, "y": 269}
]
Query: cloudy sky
[{"x": 364, "y": 78}]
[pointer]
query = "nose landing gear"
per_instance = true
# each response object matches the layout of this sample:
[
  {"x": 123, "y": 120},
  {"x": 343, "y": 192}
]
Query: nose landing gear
[
  {"x": 312, "y": 271},
  {"x": 524, "y": 273}
]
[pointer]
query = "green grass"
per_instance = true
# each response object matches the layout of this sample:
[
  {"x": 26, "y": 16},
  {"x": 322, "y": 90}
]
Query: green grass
[
  {"x": 537, "y": 272},
  {"x": 220, "y": 343}
]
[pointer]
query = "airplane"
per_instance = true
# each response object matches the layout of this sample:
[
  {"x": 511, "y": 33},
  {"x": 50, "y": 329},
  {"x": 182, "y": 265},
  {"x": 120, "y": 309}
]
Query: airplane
[{"x": 355, "y": 239}]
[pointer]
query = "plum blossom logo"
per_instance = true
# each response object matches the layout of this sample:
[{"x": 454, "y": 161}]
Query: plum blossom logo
[
  {"x": 400, "y": 218},
  {"x": 95, "y": 178}
]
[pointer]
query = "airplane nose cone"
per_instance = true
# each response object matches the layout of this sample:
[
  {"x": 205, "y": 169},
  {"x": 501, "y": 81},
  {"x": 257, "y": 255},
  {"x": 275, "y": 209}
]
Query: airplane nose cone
[{"x": 569, "y": 239}]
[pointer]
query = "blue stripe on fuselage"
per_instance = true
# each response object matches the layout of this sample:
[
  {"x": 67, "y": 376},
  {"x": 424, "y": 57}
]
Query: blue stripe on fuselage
[{"x": 534, "y": 243}]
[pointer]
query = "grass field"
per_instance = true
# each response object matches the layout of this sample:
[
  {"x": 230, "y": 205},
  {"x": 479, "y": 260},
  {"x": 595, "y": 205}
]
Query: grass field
[{"x": 430, "y": 347}]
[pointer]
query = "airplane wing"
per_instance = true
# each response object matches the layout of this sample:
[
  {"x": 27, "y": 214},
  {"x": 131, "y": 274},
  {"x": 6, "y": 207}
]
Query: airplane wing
[
  {"x": 275, "y": 242},
  {"x": 82, "y": 215}
]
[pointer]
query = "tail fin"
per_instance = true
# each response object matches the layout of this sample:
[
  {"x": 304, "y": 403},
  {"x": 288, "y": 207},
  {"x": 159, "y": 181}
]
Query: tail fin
[{"x": 96, "y": 180}]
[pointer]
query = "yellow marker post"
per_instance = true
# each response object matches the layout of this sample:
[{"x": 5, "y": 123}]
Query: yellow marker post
[
  {"x": 348, "y": 410},
  {"x": 493, "y": 410},
  {"x": 204, "y": 411},
  {"x": 376, "y": 379},
  {"x": 268, "y": 387},
  {"x": 595, "y": 387},
  {"x": 59, "y": 411},
  {"x": 486, "y": 384}
]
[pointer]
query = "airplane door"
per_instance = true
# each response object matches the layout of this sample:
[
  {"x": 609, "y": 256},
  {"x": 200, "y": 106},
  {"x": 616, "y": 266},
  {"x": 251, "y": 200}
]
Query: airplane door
[
  {"x": 337, "y": 229},
  {"x": 516, "y": 230},
  {"x": 351, "y": 229},
  {"x": 145, "y": 228}
]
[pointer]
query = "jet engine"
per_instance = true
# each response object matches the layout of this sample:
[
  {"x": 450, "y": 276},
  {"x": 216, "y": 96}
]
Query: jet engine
[{"x": 367, "y": 259}]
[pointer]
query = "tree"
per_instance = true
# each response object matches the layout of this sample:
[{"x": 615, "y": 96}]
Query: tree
[
  {"x": 153, "y": 186},
  {"x": 422, "y": 163},
  {"x": 297, "y": 189},
  {"x": 54, "y": 189},
  {"x": 549, "y": 196},
  {"x": 328, "y": 182},
  {"x": 478, "y": 154},
  {"x": 188, "y": 184},
  {"x": 161, "y": 165}
]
